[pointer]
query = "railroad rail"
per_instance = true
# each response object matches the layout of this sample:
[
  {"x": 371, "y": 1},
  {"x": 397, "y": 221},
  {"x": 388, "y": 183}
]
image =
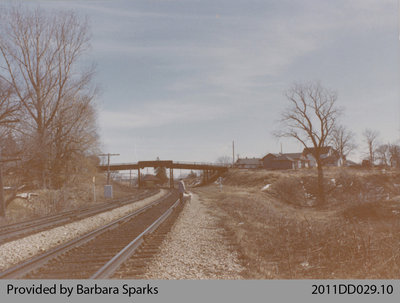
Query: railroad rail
[
  {"x": 136, "y": 266},
  {"x": 99, "y": 253},
  {"x": 111, "y": 266},
  {"x": 21, "y": 229}
]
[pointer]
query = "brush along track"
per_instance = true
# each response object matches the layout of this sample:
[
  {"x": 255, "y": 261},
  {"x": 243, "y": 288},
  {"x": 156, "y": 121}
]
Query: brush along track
[
  {"x": 81, "y": 258},
  {"x": 22, "y": 229}
]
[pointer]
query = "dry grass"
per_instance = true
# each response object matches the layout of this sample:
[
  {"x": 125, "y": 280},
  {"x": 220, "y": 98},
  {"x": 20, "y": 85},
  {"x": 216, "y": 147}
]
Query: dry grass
[
  {"x": 356, "y": 235},
  {"x": 49, "y": 202}
]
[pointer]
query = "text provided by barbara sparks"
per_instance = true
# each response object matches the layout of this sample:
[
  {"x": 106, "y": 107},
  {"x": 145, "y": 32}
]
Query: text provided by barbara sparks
[{"x": 80, "y": 289}]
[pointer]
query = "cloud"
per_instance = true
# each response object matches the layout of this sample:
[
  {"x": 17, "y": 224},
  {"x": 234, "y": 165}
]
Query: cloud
[
  {"x": 160, "y": 114},
  {"x": 234, "y": 67},
  {"x": 232, "y": 60}
]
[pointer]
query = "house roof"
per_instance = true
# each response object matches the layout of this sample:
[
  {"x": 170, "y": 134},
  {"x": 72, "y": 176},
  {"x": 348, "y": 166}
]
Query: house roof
[
  {"x": 286, "y": 157},
  {"x": 248, "y": 161},
  {"x": 270, "y": 154},
  {"x": 311, "y": 150},
  {"x": 293, "y": 156}
]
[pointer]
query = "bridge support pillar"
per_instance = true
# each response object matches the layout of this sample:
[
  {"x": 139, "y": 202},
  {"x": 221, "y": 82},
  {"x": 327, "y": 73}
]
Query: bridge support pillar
[
  {"x": 171, "y": 177},
  {"x": 138, "y": 178},
  {"x": 205, "y": 175}
]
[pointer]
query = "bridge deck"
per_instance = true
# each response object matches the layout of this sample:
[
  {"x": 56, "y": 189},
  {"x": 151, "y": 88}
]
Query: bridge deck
[{"x": 166, "y": 164}]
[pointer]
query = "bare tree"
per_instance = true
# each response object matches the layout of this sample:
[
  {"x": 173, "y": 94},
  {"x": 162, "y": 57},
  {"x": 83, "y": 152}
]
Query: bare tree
[
  {"x": 40, "y": 61},
  {"x": 382, "y": 154},
  {"x": 310, "y": 119},
  {"x": 161, "y": 172},
  {"x": 388, "y": 154},
  {"x": 8, "y": 110},
  {"x": 8, "y": 105},
  {"x": 73, "y": 135},
  {"x": 343, "y": 141},
  {"x": 371, "y": 139},
  {"x": 394, "y": 152}
]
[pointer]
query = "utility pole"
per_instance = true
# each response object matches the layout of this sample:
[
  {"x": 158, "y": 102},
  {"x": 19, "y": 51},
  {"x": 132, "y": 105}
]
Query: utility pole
[
  {"x": 94, "y": 189},
  {"x": 233, "y": 153},
  {"x": 108, "y": 165},
  {"x": 108, "y": 191}
]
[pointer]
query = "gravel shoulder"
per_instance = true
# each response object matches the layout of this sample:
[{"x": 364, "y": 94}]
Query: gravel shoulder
[
  {"x": 196, "y": 248},
  {"x": 14, "y": 252}
]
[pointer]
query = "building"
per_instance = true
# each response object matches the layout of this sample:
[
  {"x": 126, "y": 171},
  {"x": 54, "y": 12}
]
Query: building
[
  {"x": 329, "y": 156},
  {"x": 252, "y": 163},
  {"x": 301, "y": 160},
  {"x": 284, "y": 161}
]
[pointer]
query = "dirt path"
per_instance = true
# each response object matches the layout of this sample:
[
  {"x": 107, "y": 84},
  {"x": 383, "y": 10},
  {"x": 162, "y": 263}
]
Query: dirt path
[{"x": 196, "y": 248}]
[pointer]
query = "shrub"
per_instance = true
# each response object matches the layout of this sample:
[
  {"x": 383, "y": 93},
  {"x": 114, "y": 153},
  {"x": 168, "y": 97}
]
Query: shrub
[{"x": 290, "y": 190}]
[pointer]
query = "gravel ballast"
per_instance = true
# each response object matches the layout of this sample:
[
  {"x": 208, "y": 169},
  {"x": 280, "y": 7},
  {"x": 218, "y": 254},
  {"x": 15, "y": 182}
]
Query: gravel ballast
[
  {"x": 196, "y": 248},
  {"x": 14, "y": 252}
]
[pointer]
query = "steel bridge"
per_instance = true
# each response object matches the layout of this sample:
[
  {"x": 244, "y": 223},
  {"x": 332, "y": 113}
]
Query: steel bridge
[{"x": 209, "y": 169}]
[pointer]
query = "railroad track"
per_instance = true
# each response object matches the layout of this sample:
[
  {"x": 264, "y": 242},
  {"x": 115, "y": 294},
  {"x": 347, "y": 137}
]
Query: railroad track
[
  {"x": 101, "y": 252},
  {"x": 22, "y": 229},
  {"x": 135, "y": 266}
]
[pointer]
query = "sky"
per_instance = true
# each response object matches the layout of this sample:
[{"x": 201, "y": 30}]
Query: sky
[{"x": 182, "y": 79}]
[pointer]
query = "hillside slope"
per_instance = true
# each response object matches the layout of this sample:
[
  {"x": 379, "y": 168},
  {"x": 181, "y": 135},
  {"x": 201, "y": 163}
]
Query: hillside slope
[{"x": 356, "y": 234}]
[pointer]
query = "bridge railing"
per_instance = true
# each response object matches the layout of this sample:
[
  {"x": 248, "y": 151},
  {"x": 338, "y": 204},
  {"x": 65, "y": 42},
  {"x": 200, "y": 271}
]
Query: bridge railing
[
  {"x": 174, "y": 162},
  {"x": 203, "y": 163},
  {"x": 117, "y": 164}
]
